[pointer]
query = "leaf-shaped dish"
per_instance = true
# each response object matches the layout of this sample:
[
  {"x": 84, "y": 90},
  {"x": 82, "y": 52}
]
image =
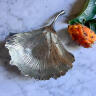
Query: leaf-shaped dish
[{"x": 39, "y": 53}]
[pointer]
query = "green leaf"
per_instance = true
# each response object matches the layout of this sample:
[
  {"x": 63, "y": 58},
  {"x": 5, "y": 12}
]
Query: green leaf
[
  {"x": 87, "y": 13},
  {"x": 91, "y": 24}
]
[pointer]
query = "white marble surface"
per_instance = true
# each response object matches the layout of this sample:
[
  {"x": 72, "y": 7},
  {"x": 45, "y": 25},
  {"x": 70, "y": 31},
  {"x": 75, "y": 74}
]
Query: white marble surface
[{"x": 24, "y": 15}]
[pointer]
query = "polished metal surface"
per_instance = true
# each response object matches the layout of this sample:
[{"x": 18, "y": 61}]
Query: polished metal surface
[{"x": 40, "y": 53}]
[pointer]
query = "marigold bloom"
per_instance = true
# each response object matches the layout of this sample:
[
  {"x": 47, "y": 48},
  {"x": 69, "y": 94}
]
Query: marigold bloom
[{"x": 82, "y": 35}]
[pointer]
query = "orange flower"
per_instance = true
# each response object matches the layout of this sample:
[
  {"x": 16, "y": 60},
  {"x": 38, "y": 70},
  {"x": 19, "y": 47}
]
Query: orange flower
[{"x": 82, "y": 35}]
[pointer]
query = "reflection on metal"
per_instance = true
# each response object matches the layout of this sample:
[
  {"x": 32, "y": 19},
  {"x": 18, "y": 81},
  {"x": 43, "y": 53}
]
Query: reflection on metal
[{"x": 39, "y": 53}]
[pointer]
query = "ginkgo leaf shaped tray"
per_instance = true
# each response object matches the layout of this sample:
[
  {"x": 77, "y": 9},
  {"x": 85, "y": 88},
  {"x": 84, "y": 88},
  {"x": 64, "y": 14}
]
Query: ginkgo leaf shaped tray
[{"x": 39, "y": 53}]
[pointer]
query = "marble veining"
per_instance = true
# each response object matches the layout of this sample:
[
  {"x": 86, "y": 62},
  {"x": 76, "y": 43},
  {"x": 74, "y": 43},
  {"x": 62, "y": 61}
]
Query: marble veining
[{"x": 24, "y": 15}]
